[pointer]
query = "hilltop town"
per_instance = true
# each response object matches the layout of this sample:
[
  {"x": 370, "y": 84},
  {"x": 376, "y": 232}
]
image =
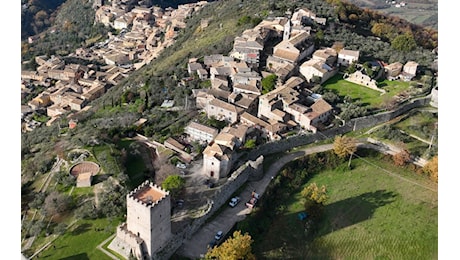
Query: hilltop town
[
  {"x": 71, "y": 87},
  {"x": 263, "y": 92}
]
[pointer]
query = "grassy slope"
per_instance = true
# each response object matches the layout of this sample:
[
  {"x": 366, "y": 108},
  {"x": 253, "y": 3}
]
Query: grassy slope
[
  {"x": 369, "y": 215},
  {"x": 81, "y": 241},
  {"x": 366, "y": 96},
  {"x": 424, "y": 13}
]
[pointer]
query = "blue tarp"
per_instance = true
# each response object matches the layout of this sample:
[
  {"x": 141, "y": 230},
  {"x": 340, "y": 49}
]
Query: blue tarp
[{"x": 302, "y": 215}]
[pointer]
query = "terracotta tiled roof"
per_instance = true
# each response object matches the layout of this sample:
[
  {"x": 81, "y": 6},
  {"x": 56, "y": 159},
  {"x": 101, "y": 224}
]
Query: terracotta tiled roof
[
  {"x": 224, "y": 105},
  {"x": 202, "y": 128},
  {"x": 321, "y": 106}
]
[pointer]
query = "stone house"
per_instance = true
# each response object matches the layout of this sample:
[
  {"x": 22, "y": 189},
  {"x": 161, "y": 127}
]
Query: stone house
[
  {"x": 248, "y": 46},
  {"x": 174, "y": 145},
  {"x": 217, "y": 160},
  {"x": 222, "y": 110},
  {"x": 301, "y": 16},
  {"x": 238, "y": 132},
  {"x": 204, "y": 96},
  {"x": 268, "y": 130},
  {"x": 201, "y": 133},
  {"x": 294, "y": 49},
  {"x": 393, "y": 70},
  {"x": 409, "y": 70},
  {"x": 318, "y": 114},
  {"x": 249, "y": 88},
  {"x": 193, "y": 67},
  {"x": 347, "y": 57},
  {"x": 317, "y": 68},
  {"x": 328, "y": 55},
  {"x": 123, "y": 21},
  {"x": 202, "y": 74}
]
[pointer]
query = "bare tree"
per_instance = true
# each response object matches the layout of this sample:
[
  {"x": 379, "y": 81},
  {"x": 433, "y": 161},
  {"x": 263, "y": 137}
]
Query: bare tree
[{"x": 163, "y": 169}]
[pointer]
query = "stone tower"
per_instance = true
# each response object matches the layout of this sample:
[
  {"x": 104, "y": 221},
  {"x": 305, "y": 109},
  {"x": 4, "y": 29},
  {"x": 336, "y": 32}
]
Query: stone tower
[{"x": 148, "y": 224}]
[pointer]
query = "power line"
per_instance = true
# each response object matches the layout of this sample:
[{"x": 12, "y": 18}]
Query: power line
[{"x": 394, "y": 174}]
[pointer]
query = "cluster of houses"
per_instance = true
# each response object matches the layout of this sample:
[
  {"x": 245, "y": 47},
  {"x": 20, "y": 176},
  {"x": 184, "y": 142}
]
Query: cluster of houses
[
  {"x": 235, "y": 95},
  {"x": 143, "y": 33}
]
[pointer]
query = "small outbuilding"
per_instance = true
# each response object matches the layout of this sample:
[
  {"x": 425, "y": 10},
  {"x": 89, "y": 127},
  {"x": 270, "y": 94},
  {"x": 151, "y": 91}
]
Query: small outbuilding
[{"x": 84, "y": 179}]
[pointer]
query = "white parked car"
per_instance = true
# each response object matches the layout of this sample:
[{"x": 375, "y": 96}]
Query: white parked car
[
  {"x": 181, "y": 165},
  {"x": 218, "y": 235},
  {"x": 234, "y": 201}
]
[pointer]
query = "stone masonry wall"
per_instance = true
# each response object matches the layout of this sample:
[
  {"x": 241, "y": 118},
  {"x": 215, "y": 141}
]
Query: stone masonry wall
[
  {"x": 221, "y": 196},
  {"x": 354, "y": 124},
  {"x": 244, "y": 172}
]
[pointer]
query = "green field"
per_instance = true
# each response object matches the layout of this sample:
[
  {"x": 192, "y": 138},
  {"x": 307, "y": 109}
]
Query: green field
[
  {"x": 375, "y": 211},
  {"x": 421, "y": 12},
  {"x": 368, "y": 97},
  {"x": 81, "y": 241}
]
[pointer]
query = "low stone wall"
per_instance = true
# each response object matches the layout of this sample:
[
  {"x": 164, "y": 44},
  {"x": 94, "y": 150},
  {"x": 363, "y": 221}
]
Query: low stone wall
[
  {"x": 220, "y": 197},
  {"x": 254, "y": 168},
  {"x": 352, "y": 125}
]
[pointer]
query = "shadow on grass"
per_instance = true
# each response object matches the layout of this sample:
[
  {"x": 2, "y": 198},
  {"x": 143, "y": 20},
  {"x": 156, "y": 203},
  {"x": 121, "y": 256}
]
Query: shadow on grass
[
  {"x": 100, "y": 178},
  {"x": 353, "y": 210},
  {"x": 289, "y": 238},
  {"x": 81, "y": 229},
  {"x": 82, "y": 256}
]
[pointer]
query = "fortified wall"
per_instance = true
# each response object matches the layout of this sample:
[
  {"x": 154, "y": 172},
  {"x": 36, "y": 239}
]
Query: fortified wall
[
  {"x": 352, "y": 125},
  {"x": 220, "y": 197}
]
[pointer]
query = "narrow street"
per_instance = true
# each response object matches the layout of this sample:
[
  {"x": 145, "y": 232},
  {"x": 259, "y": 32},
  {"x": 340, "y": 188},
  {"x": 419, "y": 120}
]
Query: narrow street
[{"x": 196, "y": 247}]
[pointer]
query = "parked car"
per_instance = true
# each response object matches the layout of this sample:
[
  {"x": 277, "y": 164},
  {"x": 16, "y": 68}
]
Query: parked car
[
  {"x": 181, "y": 165},
  {"x": 218, "y": 235},
  {"x": 212, "y": 244},
  {"x": 234, "y": 201}
]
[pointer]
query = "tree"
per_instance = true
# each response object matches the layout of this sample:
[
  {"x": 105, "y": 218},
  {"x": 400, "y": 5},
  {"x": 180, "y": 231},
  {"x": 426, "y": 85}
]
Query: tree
[
  {"x": 331, "y": 97},
  {"x": 314, "y": 193},
  {"x": 60, "y": 228},
  {"x": 234, "y": 248},
  {"x": 431, "y": 168},
  {"x": 401, "y": 158},
  {"x": 174, "y": 184},
  {"x": 268, "y": 83},
  {"x": 344, "y": 146},
  {"x": 314, "y": 199},
  {"x": 404, "y": 42},
  {"x": 56, "y": 203},
  {"x": 251, "y": 143}
]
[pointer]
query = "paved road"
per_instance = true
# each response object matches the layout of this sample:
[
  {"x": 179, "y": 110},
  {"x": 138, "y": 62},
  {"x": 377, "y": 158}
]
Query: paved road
[{"x": 196, "y": 247}]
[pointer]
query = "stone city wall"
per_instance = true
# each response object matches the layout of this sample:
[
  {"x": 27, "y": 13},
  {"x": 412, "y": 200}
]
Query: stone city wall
[
  {"x": 220, "y": 197},
  {"x": 352, "y": 125}
]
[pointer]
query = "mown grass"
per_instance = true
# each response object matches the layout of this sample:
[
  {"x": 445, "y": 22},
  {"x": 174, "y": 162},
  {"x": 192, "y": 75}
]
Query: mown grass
[
  {"x": 368, "y": 97},
  {"x": 370, "y": 214},
  {"x": 81, "y": 241}
]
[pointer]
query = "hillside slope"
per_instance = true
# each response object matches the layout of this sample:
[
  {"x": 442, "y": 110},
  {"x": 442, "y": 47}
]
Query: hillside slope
[{"x": 421, "y": 12}]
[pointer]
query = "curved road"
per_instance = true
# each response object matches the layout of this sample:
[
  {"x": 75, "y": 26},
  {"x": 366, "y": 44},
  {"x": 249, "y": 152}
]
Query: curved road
[{"x": 196, "y": 247}]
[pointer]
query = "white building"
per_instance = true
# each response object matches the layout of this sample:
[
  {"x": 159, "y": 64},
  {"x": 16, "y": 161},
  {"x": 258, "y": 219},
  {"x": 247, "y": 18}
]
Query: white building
[{"x": 199, "y": 132}]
